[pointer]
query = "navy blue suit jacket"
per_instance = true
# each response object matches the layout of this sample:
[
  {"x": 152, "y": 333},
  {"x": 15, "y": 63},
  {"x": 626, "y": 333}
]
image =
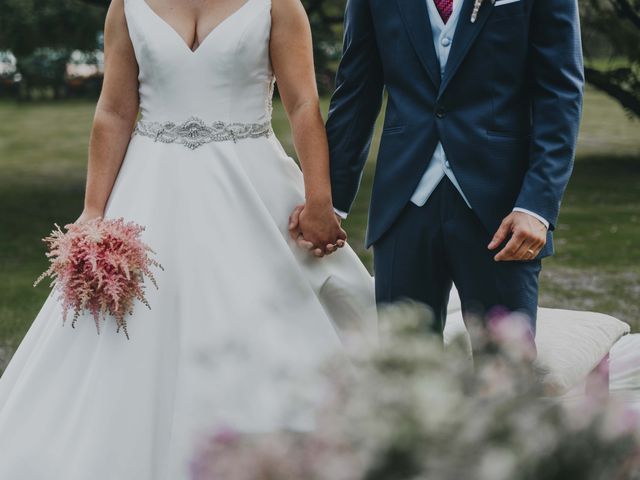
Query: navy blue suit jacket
[{"x": 506, "y": 110}]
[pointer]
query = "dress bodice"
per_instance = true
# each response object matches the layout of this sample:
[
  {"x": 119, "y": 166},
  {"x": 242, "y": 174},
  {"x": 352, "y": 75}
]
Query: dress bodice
[{"x": 227, "y": 78}]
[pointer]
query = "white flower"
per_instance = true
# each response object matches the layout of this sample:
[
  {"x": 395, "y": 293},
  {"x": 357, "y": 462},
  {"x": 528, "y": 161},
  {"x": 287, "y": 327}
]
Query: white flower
[{"x": 498, "y": 464}]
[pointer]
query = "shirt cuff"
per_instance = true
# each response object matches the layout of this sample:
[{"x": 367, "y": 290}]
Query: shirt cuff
[
  {"x": 544, "y": 221},
  {"x": 341, "y": 214}
]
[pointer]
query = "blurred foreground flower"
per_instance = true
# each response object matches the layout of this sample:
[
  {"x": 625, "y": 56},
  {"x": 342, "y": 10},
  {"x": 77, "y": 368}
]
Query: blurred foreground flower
[
  {"x": 99, "y": 266},
  {"x": 413, "y": 410}
]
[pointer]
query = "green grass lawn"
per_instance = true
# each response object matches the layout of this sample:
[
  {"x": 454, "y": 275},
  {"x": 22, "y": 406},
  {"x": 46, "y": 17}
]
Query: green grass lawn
[{"x": 42, "y": 168}]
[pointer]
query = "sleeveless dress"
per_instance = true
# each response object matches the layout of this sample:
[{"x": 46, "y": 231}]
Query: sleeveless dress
[{"x": 242, "y": 317}]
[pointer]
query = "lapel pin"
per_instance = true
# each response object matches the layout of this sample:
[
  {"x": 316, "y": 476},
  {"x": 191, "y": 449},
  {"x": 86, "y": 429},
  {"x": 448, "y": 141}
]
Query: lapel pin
[{"x": 476, "y": 8}]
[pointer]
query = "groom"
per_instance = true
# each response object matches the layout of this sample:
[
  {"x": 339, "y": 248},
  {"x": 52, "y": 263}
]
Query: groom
[{"x": 477, "y": 147}]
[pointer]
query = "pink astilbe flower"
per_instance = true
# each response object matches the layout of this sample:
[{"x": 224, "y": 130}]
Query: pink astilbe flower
[
  {"x": 99, "y": 267},
  {"x": 228, "y": 455}
]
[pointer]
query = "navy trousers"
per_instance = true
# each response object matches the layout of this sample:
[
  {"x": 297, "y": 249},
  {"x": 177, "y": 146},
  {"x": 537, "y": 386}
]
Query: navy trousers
[{"x": 431, "y": 247}]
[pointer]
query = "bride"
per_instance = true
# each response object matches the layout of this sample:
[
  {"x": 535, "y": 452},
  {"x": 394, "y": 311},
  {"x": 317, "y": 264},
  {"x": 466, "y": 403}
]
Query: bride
[{"x": 243, "y": 315}]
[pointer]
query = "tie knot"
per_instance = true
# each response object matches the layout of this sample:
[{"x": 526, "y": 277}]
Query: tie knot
[{"x": 445, "y": 7}]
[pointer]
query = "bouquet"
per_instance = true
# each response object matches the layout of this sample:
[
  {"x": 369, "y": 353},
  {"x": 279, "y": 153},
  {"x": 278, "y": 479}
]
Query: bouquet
[{"x": 99, "y": 267}]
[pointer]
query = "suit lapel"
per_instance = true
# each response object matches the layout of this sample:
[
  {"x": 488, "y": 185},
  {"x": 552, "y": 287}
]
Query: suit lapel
[
  {"x": 415, "y": 16},
  {"x": 466, "y": 33}
]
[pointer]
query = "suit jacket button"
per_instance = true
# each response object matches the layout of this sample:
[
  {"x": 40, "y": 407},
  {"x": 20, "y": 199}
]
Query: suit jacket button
[{"x": 441, "y": 112}]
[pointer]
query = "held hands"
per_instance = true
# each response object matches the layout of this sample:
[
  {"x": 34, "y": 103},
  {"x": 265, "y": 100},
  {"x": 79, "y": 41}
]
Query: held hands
[
  {"x": 316, "y": 228},
  {"x": 528, "y": 238}
]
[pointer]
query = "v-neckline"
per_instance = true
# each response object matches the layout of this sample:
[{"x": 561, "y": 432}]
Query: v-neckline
[{"x": 181, "y": 38}]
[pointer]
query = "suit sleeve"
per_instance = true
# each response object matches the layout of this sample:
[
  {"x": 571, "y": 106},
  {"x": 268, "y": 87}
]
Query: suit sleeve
[
  {"x": 355, "y": 104},
  {"x": 557, "y": 81}
]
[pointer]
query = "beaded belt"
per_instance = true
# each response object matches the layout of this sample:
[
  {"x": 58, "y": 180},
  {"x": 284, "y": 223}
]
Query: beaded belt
[{"x": 195, "y": 132}]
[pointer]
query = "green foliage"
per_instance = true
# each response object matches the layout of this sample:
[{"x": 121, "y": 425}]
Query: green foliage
[
  {"x": 326, "y": 18},
  {"x": 611, "y": 31},
  {"x": 44, "y": 68},
  {"x": 43, "y": 33},
  {"x": 26, "y": 25}
]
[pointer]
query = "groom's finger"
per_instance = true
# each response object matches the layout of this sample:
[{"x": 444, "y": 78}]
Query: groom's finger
[
  {"x": 525, "y": 251},
  {"x": 501, "y": 235},
  {"x": 511, "y": 248}
]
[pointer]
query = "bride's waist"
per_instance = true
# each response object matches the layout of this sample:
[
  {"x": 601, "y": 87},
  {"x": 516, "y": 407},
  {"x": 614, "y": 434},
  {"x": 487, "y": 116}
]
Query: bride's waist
[{"x": 194, "y": 132}]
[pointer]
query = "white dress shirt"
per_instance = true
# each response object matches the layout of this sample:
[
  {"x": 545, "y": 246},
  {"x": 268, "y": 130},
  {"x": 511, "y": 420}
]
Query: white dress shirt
[{"x": 439, "y": 167}]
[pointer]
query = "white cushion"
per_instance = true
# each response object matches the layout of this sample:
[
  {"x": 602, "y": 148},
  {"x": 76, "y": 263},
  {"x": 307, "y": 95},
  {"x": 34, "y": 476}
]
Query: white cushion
[
  {"x": 570, "y": 343},
  {"x": 625, "y": 364}
]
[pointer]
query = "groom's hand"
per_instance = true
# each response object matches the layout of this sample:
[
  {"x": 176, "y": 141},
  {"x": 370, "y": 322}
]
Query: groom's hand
[
  {"x": 317, "y": 229},
  {"x": 528, "y": 238}
]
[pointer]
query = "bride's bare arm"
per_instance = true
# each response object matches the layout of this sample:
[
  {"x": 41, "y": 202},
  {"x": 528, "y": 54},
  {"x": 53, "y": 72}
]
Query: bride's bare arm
[
  {"x": 115, "y": 115},
  {"x": 292, "y": 59}
]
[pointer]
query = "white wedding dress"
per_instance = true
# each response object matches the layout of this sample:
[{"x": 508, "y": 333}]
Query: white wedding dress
[{"x": 242, "y": 317}]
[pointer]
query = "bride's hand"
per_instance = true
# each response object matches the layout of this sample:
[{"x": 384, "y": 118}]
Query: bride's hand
[
  {"x": 88, "y": 215},
  {"x": 317, "y": 228}
]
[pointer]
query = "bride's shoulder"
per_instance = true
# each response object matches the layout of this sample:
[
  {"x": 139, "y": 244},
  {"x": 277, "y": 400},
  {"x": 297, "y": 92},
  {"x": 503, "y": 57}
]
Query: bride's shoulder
[
  {"x": 116, "y": 21},
  {"x": 116, "y": 6},
  {"x": 116, "y": 33},
  {"x": 288, "y": 12},
  {"x": 284, "y": 7},
  {"x": 115, "y": 13}
]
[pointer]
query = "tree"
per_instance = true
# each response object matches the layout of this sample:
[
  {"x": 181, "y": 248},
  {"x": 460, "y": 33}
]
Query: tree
[
  {"x": 26, "y": 25},
  {"x": 43, "y": 33},
  {"x": 612, "y": 45},
  {"x": 611, "y": 30},
  {"x": 326, "y": 17}
]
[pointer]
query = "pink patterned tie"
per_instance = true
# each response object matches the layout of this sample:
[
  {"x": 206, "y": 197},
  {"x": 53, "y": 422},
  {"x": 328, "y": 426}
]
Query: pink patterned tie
[{"x": 445, "y": 7}]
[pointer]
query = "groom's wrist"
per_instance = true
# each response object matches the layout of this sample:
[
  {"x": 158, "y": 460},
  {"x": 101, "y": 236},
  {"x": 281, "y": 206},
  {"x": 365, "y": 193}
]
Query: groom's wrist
[{"x": 540, "y": 218}]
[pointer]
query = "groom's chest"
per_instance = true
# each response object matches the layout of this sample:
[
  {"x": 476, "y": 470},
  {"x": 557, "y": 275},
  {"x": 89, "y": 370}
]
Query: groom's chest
[{"x": 395, "y": 21}]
